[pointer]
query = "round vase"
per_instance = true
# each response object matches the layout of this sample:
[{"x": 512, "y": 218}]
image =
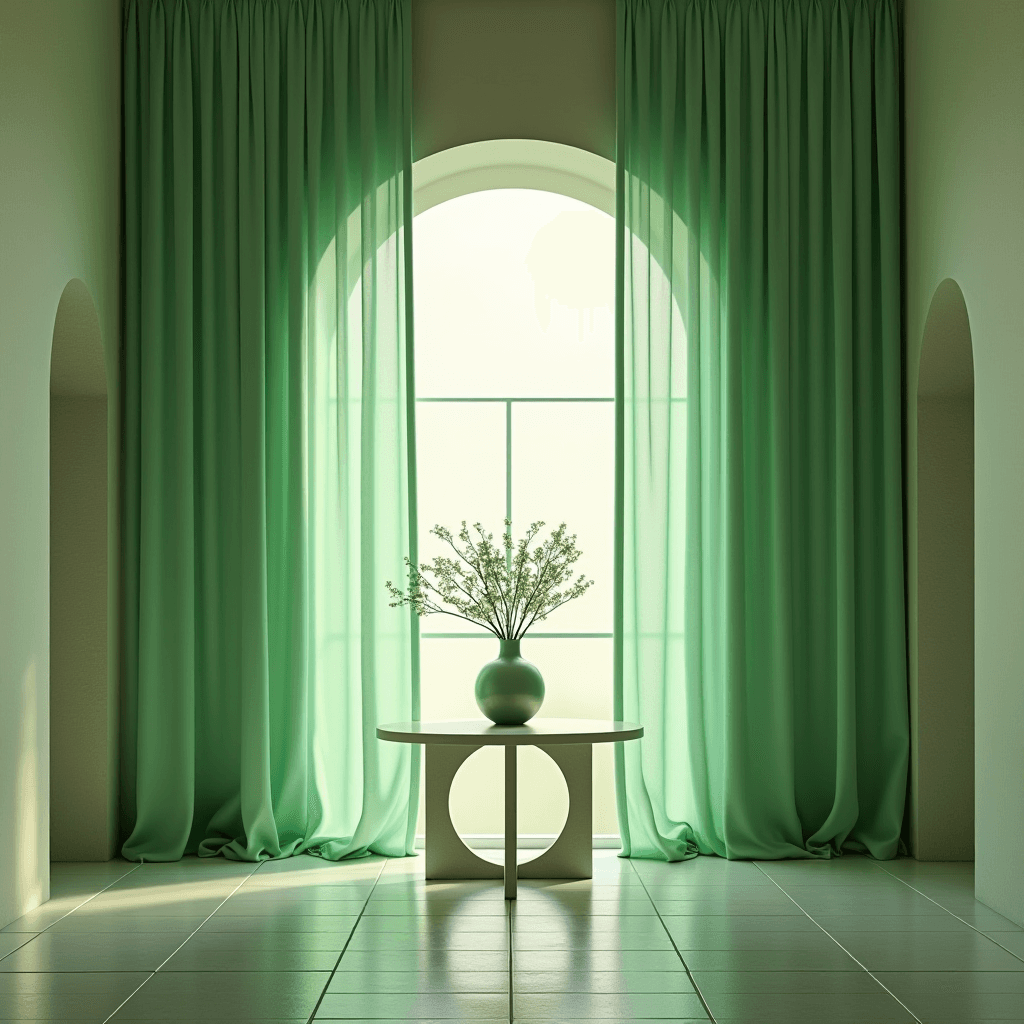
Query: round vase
[{"x": 509, "y": 690}]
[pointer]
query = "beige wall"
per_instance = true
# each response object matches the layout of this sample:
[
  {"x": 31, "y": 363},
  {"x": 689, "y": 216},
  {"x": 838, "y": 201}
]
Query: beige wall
[
  {"x": 59, "y": 220},
  {"x": 83, "y": 739},
  {"x": 513, "y": 69},
  {"x": 964, "y": 124}
]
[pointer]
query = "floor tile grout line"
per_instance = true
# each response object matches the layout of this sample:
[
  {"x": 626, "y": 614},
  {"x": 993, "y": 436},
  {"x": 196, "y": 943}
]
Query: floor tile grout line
[
  {"x": 671, "y": 938},
  {"x": 950, "y": 912},
  {"x": 870, "y": 974},
  {"x": 41, "y": 931},
  {"x": 153, "y": 974},
  {"x": 352, "y": 931}
]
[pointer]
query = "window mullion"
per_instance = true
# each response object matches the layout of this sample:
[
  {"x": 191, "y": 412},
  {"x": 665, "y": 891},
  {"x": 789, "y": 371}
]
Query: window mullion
[{"x": 508, "y": 472}]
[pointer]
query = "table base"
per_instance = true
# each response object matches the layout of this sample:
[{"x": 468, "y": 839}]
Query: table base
[{"x": 569, "y": 856}]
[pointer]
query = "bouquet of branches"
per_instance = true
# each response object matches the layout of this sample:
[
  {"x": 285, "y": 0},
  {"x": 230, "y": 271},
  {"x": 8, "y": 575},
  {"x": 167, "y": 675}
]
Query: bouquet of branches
[{"x": 505, "y": 589}]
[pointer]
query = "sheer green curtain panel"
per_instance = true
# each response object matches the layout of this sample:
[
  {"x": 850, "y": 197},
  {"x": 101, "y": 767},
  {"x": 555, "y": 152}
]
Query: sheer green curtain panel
[
  {"x": 267, "y": 429},
  {"x": 760, "y": 623}
]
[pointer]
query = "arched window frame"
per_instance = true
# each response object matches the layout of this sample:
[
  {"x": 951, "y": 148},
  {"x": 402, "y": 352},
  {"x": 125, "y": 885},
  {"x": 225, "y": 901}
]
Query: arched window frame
[
  {"x": 506, "y": 164},
  {"x": 517, "y": 164}
]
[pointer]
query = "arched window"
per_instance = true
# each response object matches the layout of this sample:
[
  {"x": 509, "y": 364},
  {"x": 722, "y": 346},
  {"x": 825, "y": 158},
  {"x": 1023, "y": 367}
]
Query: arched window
[{"x": 514, "y": 298}]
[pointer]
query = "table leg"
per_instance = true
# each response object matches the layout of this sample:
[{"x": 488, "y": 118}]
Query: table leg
[{"x": 511, "y": 825}]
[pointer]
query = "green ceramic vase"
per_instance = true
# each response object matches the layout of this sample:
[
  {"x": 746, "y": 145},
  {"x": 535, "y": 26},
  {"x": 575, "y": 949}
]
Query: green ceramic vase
[{"x": 509, "y": 690}]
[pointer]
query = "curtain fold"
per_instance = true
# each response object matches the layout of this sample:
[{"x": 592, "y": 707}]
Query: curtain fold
[
  {"x": 760, "y": 623},
  {"x": 268, "y": 431}
]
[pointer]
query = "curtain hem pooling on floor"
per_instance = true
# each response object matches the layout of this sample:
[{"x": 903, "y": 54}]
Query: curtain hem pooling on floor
[
  {"x": 760, "y": 623},
  {"x": 268, "y": 442}
]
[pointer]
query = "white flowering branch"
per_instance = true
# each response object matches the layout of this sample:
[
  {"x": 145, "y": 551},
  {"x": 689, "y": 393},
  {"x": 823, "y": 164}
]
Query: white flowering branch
[{"x": 505, "y": 590}]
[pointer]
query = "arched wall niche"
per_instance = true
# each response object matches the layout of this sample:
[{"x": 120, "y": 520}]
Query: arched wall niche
[
  {"x": 83, "y": 746},
  {"x": 77, "y": 364},
  {"x": 943, "y": 818}
]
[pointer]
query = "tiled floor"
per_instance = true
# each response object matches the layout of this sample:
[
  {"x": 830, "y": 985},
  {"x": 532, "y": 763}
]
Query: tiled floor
[{"x": 299, "y": 940}]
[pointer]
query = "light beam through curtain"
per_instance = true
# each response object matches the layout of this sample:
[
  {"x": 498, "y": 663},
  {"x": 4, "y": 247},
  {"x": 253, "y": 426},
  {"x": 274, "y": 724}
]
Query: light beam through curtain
[{"x": 268, "y": 428}]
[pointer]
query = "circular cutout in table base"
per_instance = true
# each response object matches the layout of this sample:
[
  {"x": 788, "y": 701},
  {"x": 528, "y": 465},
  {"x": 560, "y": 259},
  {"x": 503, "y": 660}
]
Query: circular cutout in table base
[{"x": 476, "y": 801}]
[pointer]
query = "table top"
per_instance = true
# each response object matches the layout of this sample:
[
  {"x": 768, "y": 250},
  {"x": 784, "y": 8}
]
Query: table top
[{"x": 538, "y": 732}]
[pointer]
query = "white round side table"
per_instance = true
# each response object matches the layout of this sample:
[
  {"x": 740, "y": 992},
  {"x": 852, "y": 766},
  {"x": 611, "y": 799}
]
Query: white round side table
[{"x": 568, "y": 741}]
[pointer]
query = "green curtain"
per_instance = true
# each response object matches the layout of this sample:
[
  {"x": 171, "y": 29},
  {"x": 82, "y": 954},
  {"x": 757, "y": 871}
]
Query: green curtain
[
  {"x": 267, "y": 429},
  {"x": 760, "y": 598}
]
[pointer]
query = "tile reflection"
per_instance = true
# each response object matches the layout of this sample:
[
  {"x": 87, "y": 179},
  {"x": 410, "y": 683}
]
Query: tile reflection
[
  {"x": 427, "y": 939},
  {"x": 573, "y": 933}
]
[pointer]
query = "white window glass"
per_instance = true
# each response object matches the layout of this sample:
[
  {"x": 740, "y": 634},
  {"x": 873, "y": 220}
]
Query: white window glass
[
  {"x": 563, "y": 470},
  {"x": 515, "y": 341},
  {"x": 477, "y": 798},
  {"x": 460, "y": 452},
  {"x": 515, "y": 295}
]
